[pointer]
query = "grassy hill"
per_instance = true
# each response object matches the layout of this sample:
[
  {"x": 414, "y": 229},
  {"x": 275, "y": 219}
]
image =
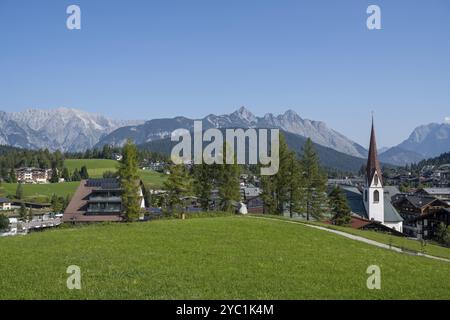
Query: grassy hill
[
  {"x": 211, "y": 258},
  {"x": 40, "y": 192},
  {"x": 96, "y": 168}
]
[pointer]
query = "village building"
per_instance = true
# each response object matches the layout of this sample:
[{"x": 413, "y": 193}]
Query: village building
[
  {"x": 97, "y": 200},
  {"x": 422, "y": 214},
  {"x": 5, "y": 204},
  {"x": 33, "y": 175},
  {"x": 439, "y": 193}
]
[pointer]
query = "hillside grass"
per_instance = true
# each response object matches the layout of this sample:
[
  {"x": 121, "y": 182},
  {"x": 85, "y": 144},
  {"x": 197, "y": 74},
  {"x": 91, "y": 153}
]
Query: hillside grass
[
  {"x": 412, "y": 245},
  {"x": 33, "y": 192},
  {"x": 96, "y": 168},
  {"x": 211, "y": 258}
]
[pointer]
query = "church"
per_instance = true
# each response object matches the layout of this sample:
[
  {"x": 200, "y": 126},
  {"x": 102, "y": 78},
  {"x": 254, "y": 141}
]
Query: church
[{"x": 371, "y": 203}]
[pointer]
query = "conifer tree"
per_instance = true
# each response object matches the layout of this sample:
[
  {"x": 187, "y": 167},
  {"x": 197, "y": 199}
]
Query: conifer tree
[
  {"x": 283, "y": 190},
  {"x": 314, "y": 186},
  {"x": 76, "y": 175},
  {"x": 229, "y": 188},
  {"x": 339, "y": 207},
  {"x": 19, "y": 192},
  {"x": 84, "y": 173},
  {"x": 23, "y": 212},
  {"x": 203, "y": 183},
  {"x": 65, "y": 174},
  {"x": 30, "y": 214},
  {"x": 129, "y": 181},
  {"x": 178, "y": 185}
]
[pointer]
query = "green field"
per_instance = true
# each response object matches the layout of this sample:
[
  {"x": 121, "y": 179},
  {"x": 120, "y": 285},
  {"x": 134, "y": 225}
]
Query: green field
[
  {"x": 400, "y": 242},
  {"x": 396, "y": 241},
  {"x": 211, "y": 258},
  {"x": 96, "y": 168},
  {"x": 41, "y": 191}
]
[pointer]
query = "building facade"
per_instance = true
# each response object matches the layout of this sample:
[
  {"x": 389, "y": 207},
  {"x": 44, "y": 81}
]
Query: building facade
[
  {"x": 33, "y": 175},
  {"x": 98, "y": 200}
]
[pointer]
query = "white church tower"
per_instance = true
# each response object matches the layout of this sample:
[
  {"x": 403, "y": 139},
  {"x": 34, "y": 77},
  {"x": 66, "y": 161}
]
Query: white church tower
[{"x": 373, "y": 191}]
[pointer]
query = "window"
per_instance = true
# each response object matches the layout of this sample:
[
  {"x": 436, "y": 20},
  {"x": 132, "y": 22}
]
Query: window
[
  {"x": 376, "y": 196},
  {"x": 375, "y": 179}
]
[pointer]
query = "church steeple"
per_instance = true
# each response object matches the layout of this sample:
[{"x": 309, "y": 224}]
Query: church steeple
[{"x": 373, "y": 165}]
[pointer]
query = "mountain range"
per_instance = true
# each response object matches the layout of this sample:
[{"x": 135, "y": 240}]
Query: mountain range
[
  {"x": 57, "y": 129},
  {"x": 72, "y": 130},
  {"x": 290, "y": 122},
  {"x": 425, "y": 142}
]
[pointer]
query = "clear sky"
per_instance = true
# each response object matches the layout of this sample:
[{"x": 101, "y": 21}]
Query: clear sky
[{"x": 161, "y": 58}]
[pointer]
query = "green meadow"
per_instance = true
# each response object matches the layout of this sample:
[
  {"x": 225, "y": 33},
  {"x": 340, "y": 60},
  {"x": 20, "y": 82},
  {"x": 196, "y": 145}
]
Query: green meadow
[
  {"x": 96, "y": 168},
  {"x": 211, "y": 258},
  {"x": 40, "y": 192}
]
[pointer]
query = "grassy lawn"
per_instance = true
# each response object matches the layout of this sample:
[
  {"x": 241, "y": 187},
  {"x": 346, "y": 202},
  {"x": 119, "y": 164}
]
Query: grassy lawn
[
  {"x": 40, "y": 191},
  {"x": 405, "y": 243},
  {"x": 211, "y": 258},
  {"x": 153, "y": 179},
  {"x": 400, "y": 242},
  {"x": 96, "y": 167}
]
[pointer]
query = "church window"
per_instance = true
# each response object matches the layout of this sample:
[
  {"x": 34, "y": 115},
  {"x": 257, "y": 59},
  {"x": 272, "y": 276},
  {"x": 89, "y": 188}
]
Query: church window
[
  {"x": 376, "y": 196},
  {"x": 376, "y": 180}
]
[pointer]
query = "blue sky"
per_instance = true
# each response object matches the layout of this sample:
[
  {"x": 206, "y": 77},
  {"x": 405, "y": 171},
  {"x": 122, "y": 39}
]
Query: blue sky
[{"x": 150, "y": 59}]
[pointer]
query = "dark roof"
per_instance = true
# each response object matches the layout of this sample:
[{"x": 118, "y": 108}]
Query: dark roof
[
  {"x": 373, "y": 165},
  {"x": 436, "y": 191},
  {"x": 355, "y": 201},
  {"x": 105, "y": 183},
  {"x": 3, "y": 200},
  {"x": 420, "y": 202}
]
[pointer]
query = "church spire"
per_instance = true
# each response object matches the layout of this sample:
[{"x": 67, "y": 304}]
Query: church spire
[{"x": 373, "y": 165}]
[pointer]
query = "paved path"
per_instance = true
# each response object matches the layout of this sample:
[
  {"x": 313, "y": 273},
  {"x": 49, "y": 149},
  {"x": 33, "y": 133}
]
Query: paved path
[{"x": 358, "y": 238}]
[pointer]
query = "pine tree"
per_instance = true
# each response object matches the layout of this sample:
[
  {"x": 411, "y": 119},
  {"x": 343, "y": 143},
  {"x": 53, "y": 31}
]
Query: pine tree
[
  {"x": 30, "y": 214},
  {"x": 4, "y": 222},
  {"x": 339, "y": 207},
  {"x": 55, "y": 175},
  {"x": 283, "y": 190},
  {"x": 65, "y": 174},
  {"x": 203, "y": 184},
  {"x": 314, "y": 182},
  {"x": 268, "y": 195},
  {"x": 57, "y": 204},
  {"x": 178, "y": 185},
  {"x": 294, "y": 185},
  {"x": 76, "y": 175},
  {"x": 19, "y": 192},
  {"x": 229, "y": 187},
  {"x": 12, "y": 176},
  {"x": 130, "y": 183},
  {"x": 84, "y": 173},
  {"x": 23, "y": 212}
]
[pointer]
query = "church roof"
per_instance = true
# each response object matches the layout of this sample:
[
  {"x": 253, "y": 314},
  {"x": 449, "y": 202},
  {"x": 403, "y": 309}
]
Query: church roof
[
  {"x": 356, "y": 204},
  {"x": 373, "y": 165}
]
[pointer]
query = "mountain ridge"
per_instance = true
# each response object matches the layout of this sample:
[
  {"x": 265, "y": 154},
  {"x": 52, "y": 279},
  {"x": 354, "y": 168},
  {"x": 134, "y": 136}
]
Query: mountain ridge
[{"x": 289, "y": 121}]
